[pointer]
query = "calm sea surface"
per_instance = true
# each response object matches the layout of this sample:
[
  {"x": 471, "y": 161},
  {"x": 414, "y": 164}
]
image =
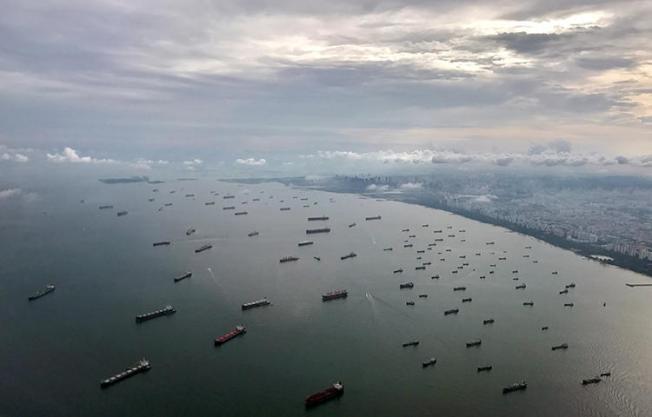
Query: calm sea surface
[{"x": 55, "y": 350}]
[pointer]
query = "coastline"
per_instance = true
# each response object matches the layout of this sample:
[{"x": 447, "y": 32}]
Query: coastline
[{"x": 587, "y": 251}]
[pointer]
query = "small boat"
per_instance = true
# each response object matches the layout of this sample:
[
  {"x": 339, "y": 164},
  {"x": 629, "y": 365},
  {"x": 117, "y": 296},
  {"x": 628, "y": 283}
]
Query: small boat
[
  {"x": 190, "y": 231},
  {"x": 412, "y": 343},
  {"x": 519, "y": 386},
  {"x": 485, "y": 368},
  {"x": 428, "y": 363},
  {"x": 332, "y": 392},
  {"x": 563, "y": 346},
  {"x": 474, "y": 343}
]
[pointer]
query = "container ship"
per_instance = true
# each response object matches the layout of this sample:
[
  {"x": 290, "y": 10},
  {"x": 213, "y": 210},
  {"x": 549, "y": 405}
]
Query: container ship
[
  {"x": 40, "y": 293},
  {"x": 238, "y": 331},
  {"x": 305, "y": 243},
  {"x": 334, "y": 295},
  {"x": 165, "y": 311},
  {"x": 203, "y": 248},
  {"x": 317, "y": 218},
  {"x": 334, "y": 391},
  {"x": 142, "y": 365},
  {"x": 520, "y": 386},
  {"x": 320, "y": 230},
  {"x": 161, "y": 243},
  {"x": 288, "y": 259},
  {"x": 258, "y": 303},
  {"x": 350, "y": 255},
  {"x": 182, "y": 277},
  {"x": 372, "y": 218}
]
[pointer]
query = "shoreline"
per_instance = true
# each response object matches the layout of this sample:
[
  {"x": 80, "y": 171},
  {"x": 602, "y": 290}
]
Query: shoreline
[{"x": 584, "y": 250}]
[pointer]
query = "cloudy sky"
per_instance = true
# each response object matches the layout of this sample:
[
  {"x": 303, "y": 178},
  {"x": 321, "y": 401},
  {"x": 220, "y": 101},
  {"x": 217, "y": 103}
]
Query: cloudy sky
[{"x": 252, "y": 82}]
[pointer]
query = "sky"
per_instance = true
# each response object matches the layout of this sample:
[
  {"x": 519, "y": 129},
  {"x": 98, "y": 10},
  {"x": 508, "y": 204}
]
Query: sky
[{"x": 260, "y": 85}]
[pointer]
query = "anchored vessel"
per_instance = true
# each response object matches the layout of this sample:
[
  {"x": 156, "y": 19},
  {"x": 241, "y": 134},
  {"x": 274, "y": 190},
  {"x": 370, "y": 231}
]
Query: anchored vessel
[
  {"x": 334, "y": 391},
  {"x": 459, "y": 289},
  {"x": 228, "y": 208},
  {"x": 350, "y": 255},
  {"x": 593, "y": 380},
  {"x": 412, "y": 343},
  {"x": 142, "y": 365},
  {"x": 106, "y": 207},
  {"x": 334, "y": 295},
  {"x": 488, "y": 321},
  {"x": 372, "y": 218},
  {"x": 317, "y": 218},
  {"x": 398, "y": 271},
  {"x": 288, "y": 259},
  {"x": 562, "y": 346},
  {"x": 122, "y": 213},
  {"x": 451, "y": 311},
  {"x": 520, "y": 386},
  {"x": 203, "y": 248},
  {"x": 406, "y": 285},
  {"x": 161, "y": 243},
  {"x": 239, "y": 330},
  {"x": 429, "y": 362},
  {"x": 40, "y": 293},
  {"x": 467, "y": 300},
  {"x": 258, "y": 303},
  {"x": 252, "y": 234},
  {"x": 352, "y": 225},
  {"x": 520, "y": 287},
  {"x": 320, "y": 230},
  {"x": 165, "y": 311},
  {"x": 182, "y": 277},
  {"x": 190, "y": 231},
  {"x": 305, "y": 243},
  {"x": 485, "y": 368},
  {"x": 528, "y": 303},
  {"x": 473, "y": 343},
  {"x": 241, "y": 213}
]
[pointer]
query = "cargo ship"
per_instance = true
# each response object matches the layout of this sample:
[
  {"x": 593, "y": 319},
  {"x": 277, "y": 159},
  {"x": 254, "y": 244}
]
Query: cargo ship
[
  {"x": 474, "y": 343},
  {"x": 485, "y": 368},
  {"x": 252, "y": 234},
  {"x": 317, "y": 218},
  {"x": 285, "y": 208},
  {"x": 372, "y": 218},
  {"x": 320, "y": 230},
  {"x": 334, "y": 295},
  {"x": 406, "y": 285},
  {"x": 528, "y": 303},
  {"x": 350, "y": 255},
  {"x": 423, "y": 295},
  {"x": 488, "y": 321},
  {"x": 334, "y": 391},
  {"x": 467, "y": 300},
  {"x": 520, "y": 287},
  {"x": 593, "y": 380},
  {"x": 420, "y": 268},
  {"x": 40, "y": 293},
  {"x": 228, "y": 208},
  {"x": 388, "y": 249},
  {"x": 258, "y": 303},
  {"x": 398, "y": 271},
  {"x": 428, "y": 363},
  {"x": 238, "y": 331},
  {"x": 451, "y": 311},
  {"x": 288, "y": 259},
  {"x": 305, "y": 243},
  {"x": 142, "y": 365},
  {"x": 412, "y": 343},
  {"x": 190, "y": 231},
  {"x": 203, "y": 248},
  {"x": 519, "y": 386},
  {"x": 182, "y": 277},
  {"x": 459, "y": 289},
  {"x": 107, "y": 207},
  {"x": 209, "y": 203},
  {"x": 226, "y": 197},
  {"x": 563, "y": 346},
  {"x": 161, "y": 243},
  {"x": 165, "y": 311},
  {"x": 240, "y": 213},
  {"x": 569, "y": 305},
  {"x": 122, "y": 213},
  {"x": 408, "y": 245},
  {"x": 352, "y": 225}
]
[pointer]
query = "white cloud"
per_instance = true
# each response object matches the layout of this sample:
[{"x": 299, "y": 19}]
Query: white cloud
[
  {"x": 374, "y": 187},
  {"x": 251, "y": 161},
  {"x": 411, "y": 186},
  {"x": 193, "y": 162},
  {"x": 10, "y": 192},
  {"x": 72, "y": 156},
  {"x": 16, "y": 157}
]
